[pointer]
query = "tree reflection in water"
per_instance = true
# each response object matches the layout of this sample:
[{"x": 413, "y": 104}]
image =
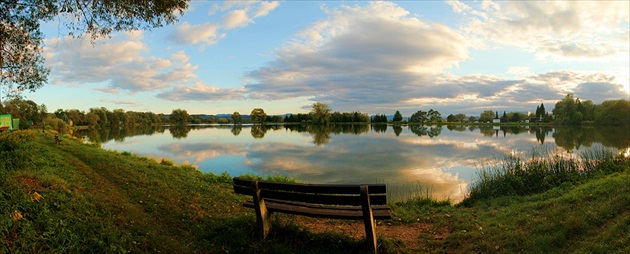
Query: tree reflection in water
[{"x": 569, "y": 138}]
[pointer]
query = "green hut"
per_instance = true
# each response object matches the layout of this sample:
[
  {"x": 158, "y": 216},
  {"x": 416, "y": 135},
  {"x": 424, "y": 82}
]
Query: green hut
[{"x": 8, "y": 123}]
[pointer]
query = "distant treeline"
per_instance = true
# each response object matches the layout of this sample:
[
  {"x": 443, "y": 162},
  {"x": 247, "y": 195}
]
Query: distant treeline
[{"x": 568, "y": 111}]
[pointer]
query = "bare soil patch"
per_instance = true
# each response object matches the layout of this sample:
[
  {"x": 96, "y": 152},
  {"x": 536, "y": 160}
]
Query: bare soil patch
[{"x": 409, "y": 234}]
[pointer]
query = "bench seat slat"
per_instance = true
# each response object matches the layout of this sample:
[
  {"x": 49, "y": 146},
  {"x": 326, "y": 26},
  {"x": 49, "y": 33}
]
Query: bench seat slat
[
  {"x": 322, "y": 198},
  {"x": 352, "y": 213},
  {"x": 314, "y": 188},
  {"x": 328, "y": 199}
]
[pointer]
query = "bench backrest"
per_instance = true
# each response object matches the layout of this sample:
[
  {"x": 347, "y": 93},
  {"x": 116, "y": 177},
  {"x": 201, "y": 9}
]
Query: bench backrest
[{"x": 327, "y": 194}]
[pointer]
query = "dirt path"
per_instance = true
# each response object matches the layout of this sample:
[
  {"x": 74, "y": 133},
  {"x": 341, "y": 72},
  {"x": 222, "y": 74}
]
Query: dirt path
[{"x": 409, "y": 234}]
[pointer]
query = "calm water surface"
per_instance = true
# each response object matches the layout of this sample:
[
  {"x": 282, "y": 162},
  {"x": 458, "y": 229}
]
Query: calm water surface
[{"x": 409, "y": 159}]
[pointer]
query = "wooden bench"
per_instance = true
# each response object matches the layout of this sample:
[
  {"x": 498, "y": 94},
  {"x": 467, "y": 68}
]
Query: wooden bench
[{"x": 365, "y": 202}]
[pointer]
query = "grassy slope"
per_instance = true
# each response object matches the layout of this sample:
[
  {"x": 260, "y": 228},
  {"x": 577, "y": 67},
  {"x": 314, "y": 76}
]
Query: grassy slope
[{"x": 97, "y": 201}]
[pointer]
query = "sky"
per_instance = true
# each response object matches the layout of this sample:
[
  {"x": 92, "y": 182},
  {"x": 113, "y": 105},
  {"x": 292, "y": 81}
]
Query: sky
[{"x": 375, "y": 57}]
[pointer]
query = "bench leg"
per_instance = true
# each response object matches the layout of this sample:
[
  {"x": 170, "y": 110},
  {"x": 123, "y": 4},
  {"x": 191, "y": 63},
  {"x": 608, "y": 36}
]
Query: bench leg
[
  {"x": 262, "y": 214},
  {"x": 368, "y": 218}
]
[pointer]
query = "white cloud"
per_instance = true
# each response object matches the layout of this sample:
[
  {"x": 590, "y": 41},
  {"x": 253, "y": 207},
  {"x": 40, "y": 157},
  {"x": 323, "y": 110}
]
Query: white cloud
[
  {"x": 374, "y": 54},
  {"x": 119, "y": 62},
  {"x": 202, "y": 33},
  {"x": 459, "y": 7},
  {"x": 560, "y": 30},
  {"x": 201, "y": 92},
  {"x": 265, "y": 8},
  {"x": 236, "y": 18},
  {"x": 235, "y": 14}
]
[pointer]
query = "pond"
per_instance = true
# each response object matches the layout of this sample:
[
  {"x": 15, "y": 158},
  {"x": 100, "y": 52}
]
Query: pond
[{"x": 440, "y": 161}]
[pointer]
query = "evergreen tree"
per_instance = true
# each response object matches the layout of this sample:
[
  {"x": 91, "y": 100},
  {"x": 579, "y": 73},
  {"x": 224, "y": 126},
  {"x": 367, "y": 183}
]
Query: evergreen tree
[{"x": 397, "y": 117}]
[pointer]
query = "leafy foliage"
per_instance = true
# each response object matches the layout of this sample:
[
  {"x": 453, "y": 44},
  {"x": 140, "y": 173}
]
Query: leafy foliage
[
  {"x": 21, "y": 41},
  {"x": 320, "y": 113},
  {"x": 615, "y": 112},
  {"x": 258, "y": 115},
  {"x": 179, "y": 117}
]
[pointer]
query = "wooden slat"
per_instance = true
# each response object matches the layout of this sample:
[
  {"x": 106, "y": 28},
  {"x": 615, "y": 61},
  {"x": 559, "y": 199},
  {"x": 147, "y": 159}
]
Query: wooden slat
[
  {"x": 314, "y": 188},
  {"x": 242, "y": 182},
  {"x": 332, "y": 207},
  {"x": 243, "y": 190},
  {"x": 324, "y": 188},
  {"x": 328, "y": 199},
  {"x": 355, "y": 213},
  {"x": 243, "y": 186}
]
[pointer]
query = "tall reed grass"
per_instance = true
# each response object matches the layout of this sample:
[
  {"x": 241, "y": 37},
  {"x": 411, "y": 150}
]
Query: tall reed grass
[{"x": 541, "y": 171}]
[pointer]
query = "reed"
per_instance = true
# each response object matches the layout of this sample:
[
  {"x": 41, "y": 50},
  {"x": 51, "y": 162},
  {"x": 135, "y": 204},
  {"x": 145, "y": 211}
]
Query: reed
[{"x": 539, "y": 172}]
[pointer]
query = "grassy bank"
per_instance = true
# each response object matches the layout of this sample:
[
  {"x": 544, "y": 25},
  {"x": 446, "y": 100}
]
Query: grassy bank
[{"x": 71, "y": 197}]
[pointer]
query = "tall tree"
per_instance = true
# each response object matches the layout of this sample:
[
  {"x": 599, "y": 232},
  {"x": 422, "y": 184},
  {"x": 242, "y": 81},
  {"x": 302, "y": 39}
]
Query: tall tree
[
  {"x": 258, "y": 115},
  {"x": 434, "y": 115},
  {"x": 236, "y": 118},
  {"x": 451, "y": 118},
  {"x": 486, "y": 116},
  {"x": 177, "y": 117},
  {"x": 566, "y": 111},
  {"x": 418, "y": 117},
  {"x": 321, "y": 113},
  {"x": 21, "y": 40},
  {"x": 397, "y": 117},
  {"x": 460, "y": 117}
]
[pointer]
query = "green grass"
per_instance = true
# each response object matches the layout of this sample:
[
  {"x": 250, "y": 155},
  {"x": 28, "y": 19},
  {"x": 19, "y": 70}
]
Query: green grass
[{"x": 77, "y": 198}]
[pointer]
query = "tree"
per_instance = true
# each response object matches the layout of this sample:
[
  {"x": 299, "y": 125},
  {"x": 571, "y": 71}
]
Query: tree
[
  {"x": 460, "y": 117},
  {"x": 26, "y": 110},
  {"x": 418, "y": 117},
  {"x": 21, "y": 41},
  {"x": 102, "y": 116},
  {"x": 258, "y": 115},
  {"x": 236, "y": 118},
  {"x": 516, "y": 117},
  {"x": 92, "y": 119},
  {"x": 76, "y": 117},
  {"x": 613, "y": 112},
  {"x": 397, "y": 117},
  {"x": 321, "y": 113},
  {"x": 486, "y": 116},
  {"x": 177, "y": 117},
  {"x": 451, "y": 118},
  {"x": 434, "y": 115},
  {"x": 566, "y": 111},
  {"x": 588, "y": 110},
  {"x": 540, "y": 111}
]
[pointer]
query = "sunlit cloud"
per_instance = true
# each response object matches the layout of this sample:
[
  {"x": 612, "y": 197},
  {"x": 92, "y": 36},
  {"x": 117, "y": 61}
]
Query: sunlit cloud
[
  {"x": 236, "y": 18},
  {"x": 236, "y": 14},
  {"x": 265, "y": 8},
  {"x": 376, "y": 54},
  {"x": 557, "y": 30},
  {"x": 121, "y": 63},
  {"x": 201, "y": 33},
  {"x": 201, "y": 92}
]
